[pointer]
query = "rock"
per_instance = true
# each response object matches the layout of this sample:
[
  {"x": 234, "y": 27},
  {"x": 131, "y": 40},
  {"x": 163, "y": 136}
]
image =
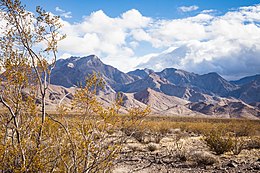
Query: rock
[
  {"x": 256, "y": 166},
  {"x": 232, "y": 164},
  {"x": 175, "y": 131}
]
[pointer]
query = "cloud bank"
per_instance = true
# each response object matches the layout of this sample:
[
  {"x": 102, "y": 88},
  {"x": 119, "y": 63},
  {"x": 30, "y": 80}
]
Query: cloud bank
[{"x": 228, "y": 44}]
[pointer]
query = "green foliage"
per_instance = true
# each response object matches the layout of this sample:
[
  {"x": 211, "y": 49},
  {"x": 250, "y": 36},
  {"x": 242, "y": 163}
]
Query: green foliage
[{"x": 218, "y": 142}]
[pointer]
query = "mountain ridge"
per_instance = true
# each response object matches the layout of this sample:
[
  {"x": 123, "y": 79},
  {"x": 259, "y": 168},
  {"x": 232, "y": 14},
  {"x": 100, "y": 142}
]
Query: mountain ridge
[{"x": 168, "y": 84}]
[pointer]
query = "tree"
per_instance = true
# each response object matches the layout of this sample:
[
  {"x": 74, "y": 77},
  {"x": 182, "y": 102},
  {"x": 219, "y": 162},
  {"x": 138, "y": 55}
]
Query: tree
[
  {"x": 29, "y": 143},
  {"x": 34, "y": 38},
  {"x": 99, "y": 140},
  {"x": 27, "y": 42}
]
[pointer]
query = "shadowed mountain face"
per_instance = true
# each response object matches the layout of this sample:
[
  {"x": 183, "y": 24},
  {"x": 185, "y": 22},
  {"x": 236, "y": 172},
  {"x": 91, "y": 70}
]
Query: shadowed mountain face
[
  {"x": 140, "y": 74},
  {"x": 211, "y": 83},
  {"x": 249, "y": 92},
  {"x": 166, "y": 91},
  {"x": 231, "y": 109},
  {"x": 246, "y": 80},
  {"x": 178, "y": 77}
]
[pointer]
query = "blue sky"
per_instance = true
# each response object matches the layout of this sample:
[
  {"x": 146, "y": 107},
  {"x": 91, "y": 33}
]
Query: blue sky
[
  {"x": 153, "y": 8},
  {"x": 195, "y": 35}
]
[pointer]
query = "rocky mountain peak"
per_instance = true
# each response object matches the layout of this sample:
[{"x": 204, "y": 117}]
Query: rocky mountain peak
[
  {"x": 140, "y": 73},
  {"x": 69, "y": 72}
]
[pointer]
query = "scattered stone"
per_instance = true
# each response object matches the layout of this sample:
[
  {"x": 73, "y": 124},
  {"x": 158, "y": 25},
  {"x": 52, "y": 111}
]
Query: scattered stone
[{"x": 232, "y": 164}]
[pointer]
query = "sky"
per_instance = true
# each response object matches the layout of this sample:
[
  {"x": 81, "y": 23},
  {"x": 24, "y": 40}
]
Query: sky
[{"x": 194, "y": 35}]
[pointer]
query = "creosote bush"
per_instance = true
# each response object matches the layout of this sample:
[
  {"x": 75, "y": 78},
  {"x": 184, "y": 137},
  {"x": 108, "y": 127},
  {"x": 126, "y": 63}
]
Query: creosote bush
[
  {"x": 218, "y": 142},
  {"x": 239, "y": 144},
  {"x": 203, "y": 158},
  {"x": 32, "y": 140},
  {"x": 84, "y": 143}
]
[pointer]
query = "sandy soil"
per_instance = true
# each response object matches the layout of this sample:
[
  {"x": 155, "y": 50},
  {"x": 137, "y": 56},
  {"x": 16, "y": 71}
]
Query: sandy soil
[{"x": 181, "y": 152}]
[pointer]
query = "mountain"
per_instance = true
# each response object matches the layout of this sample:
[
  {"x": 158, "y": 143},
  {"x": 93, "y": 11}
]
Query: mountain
[
  {"x": 160, "y": 84},
  {"x": 168, "y": 92},
  {"x": 140, "y": 74},
  {"x": 70, "y": 72},
  {"x": 231, "y": 109},
  {"x": 163, "y": 104},
  {"x": 178, "y": 77},
  {"x": 151, "y": 81},
  {"x": 245, "y": 80},
  {"x": 168, "y": 59},
  {"x": 249, "y": 92},
  {"x": 213, "y": 83}
]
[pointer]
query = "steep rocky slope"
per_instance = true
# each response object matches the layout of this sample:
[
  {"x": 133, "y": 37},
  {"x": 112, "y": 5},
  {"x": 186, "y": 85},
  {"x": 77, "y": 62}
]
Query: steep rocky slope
[
  {"x": 70, "y": 72},
  {"x": 169, "y": 92}
]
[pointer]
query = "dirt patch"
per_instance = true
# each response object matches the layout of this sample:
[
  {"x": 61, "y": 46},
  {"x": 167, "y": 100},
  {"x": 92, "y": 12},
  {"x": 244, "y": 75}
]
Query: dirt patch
[{"x": 182, "y": 152}]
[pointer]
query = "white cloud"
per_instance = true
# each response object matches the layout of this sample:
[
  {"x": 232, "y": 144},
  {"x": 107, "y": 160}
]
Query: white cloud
[
  {"x": 63, "y": 13},
  {"x": 208, "y": 11},
  {"x": 104, "y": 36},
  {"x": 188, "y": 8},
  {"x": 227, "y": 44},
  {"x": 58, "y": 9},
  {"x": 134, "y": 44}
]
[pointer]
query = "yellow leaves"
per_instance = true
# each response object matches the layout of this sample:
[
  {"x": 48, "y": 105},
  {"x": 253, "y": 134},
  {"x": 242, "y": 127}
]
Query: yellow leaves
[
  {"x": 138, "y": 111},
  {"x": 85, "y": 99}
]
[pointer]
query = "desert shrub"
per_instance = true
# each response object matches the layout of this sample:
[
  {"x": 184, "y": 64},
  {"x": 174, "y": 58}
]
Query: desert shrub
[
  {"x": 238, "y": 145},
  {"x": 82, "y": 143},
  {"x": 218, "y": 142},
  {"x": 203, "y": 158},
  {"x": 157, "y": 137},
  {"x": 177, "y": 149},
  {"x": 152, "y": 147},
  {"x": 139, "y": 136},
  {"x": 127, "y": 131},
  {"x": 253, "y": 143},
  {"x": 242, "y": 128}
]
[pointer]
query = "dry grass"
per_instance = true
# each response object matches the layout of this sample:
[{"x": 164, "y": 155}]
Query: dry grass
[{"x": 239, "y": 127}]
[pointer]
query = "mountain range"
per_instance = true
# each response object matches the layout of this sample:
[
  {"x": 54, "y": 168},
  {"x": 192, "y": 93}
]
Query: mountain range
[{"x": 168, "y": 92}]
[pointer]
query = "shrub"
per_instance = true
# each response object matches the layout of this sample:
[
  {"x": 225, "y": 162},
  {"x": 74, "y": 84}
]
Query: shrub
[
  {"x": 238, "y": 145},
  {"x": 151, "y": 147},
  {"x": 203, "y": 158},
  {"x": 157, "y": 137},
  {"x": 253, "y": 143},
  {"x": 139, "y": 136},
  {"x": 218, "y": 143}
]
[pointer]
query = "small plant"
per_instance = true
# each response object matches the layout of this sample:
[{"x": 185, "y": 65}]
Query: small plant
[
  {"x": 134, "y": 148},
  {"x": 203, "y": 158},
  {"x": 151, "y": 147},
  {"x": 139, "y": 136},
  {"x": 157, "y": 137},
  {"x": 180, "y": 152},
  {"x": 253, "y": 143},
  {"x": 218, "y": 142},
  {"x": 238, "y": 145}
]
